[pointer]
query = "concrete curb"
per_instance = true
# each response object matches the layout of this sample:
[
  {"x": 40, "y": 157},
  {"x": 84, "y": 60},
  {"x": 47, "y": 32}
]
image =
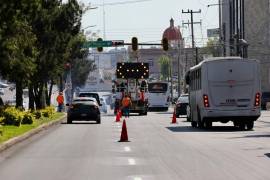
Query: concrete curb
[{"x": 29, "y": 134}]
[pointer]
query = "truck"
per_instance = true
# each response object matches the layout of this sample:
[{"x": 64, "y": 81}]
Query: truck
[{"x": 131, "y": 80}]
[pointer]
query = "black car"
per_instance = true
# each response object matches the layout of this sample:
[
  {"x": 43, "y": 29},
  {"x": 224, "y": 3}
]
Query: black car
[
  {"x": 90, "y": 94},
  {"x": 265, "y": 99},
  {"x": 181, "y": 105},
  {"x": 83, "y": 108}
]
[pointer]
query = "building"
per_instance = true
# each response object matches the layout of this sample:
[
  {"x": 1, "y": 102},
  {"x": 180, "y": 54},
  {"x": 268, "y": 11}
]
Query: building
[
  {"x": 246, "y": 22},
  {"x": 181, "y": 58}
]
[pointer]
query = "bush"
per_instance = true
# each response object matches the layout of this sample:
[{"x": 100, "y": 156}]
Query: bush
[
  {"x": 48, "y": 111},
  {"x": 12, "y": 116},
  {"x": 37, "y": 114},
  {"x": 27, "y": 118}
]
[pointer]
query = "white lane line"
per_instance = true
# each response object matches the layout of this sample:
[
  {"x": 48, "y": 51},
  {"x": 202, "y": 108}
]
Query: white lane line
[
  {"x": 127, "y": 149},
  {"x": 131, "y": 161},
  {"x": 137, "y": 178}
]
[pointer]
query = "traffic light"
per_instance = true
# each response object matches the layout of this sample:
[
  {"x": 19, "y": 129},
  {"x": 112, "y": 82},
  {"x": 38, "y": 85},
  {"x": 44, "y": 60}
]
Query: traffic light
[
  {"x": 100, "y": 49},
  {"x": 165, "y": 44},
  {"x": 134, "y": 41}
]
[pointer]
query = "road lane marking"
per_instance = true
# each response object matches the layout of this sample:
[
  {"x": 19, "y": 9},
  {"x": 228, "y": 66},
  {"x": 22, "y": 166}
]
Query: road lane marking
[
  {"x": 137, "y": 178},
  {"x": 131, "y": 161},
  {"x": 127, "y": 149}
]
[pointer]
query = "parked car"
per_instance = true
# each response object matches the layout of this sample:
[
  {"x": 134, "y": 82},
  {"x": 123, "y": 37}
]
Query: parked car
[
  {"x": 83, "y": 108},
  {"x": 2, "y": 91},
  {"x": 181, "y": 105},
  {"x": 104, "y": 107},
  {"x": 265, "y": 99},
  {"x": 91, "y": 94}
]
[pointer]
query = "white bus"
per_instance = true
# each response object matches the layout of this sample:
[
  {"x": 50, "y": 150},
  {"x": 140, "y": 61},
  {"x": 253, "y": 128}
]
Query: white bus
[
  {"x": 224, "y": 89},
  {"x": 158, "y": 96}
]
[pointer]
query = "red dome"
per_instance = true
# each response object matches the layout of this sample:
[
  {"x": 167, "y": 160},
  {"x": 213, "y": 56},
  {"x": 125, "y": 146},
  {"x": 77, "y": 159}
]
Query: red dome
[{"x": 172, "y": 33}]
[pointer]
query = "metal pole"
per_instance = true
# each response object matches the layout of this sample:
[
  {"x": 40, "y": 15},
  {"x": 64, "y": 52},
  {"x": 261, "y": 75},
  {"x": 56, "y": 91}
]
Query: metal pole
[{"x": 178, "y": 69}]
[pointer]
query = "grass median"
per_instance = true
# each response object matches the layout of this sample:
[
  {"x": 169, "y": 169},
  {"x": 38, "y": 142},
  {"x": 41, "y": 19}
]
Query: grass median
[{"x": 10, "y": 131}]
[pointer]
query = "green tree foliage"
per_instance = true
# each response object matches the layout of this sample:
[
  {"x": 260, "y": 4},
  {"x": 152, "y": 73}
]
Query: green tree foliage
[
  {"x": 17, "y": 43},
  {"x": 80, "y": 65},
  {"x": 164, "y": 62},
  {"x": 212, "y": 48},
  {"x": 36, "y": 40}
]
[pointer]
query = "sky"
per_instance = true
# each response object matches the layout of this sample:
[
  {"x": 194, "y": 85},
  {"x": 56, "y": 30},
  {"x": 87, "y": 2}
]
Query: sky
[{"x": 147, "y": 20}]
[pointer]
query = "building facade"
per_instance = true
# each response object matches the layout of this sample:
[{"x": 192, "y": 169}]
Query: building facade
[{"x": 247, "y": 21}]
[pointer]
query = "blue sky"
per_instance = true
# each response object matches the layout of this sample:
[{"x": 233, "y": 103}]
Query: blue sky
[{"x": 147, "y": 20}]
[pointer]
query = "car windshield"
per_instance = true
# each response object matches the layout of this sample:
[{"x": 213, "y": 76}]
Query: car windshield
[
  {"x": 183, "y": 99},
  {"x": 266, "y": 95}
]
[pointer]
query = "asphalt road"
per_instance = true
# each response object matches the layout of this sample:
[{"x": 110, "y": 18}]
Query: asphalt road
[{"x": 158, "y": 150}]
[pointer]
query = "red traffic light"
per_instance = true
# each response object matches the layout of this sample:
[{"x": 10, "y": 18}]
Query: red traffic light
[
  {"x": 118, "y": 43},
  {"x": 134, "y": 42}
]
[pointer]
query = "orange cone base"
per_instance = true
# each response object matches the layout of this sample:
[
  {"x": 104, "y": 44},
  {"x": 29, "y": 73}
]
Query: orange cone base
[
  {"x": 117, "y": 118},
  {"x": 124, "y": 134},
  {"x": 174, "y": 118}
]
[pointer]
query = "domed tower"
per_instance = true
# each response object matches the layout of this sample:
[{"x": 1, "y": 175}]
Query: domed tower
[{"x": 173, "y": 35}]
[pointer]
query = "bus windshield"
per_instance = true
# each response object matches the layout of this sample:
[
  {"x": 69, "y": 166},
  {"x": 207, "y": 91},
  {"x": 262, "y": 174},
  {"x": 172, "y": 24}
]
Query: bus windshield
[{"x": 157, "y": 87}]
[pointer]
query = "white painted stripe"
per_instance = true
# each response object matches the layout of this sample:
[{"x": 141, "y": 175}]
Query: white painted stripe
[
  {"x": 131, "y": 161},
  {"x": 127, "y": 149}
]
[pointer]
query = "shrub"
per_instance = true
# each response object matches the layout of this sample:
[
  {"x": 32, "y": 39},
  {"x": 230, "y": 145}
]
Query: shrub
[
  {"x": 27, "y": 118},
  {"x": 37, "y": 114},
  {"x": 48, "y": 111},
  {"x": 12, "y": 116}
]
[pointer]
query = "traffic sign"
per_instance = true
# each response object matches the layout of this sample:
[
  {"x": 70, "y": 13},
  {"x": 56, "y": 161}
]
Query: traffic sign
[{"x": 94, "y": 44}]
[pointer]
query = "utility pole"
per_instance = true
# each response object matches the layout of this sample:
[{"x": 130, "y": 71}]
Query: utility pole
[{"x": 191, "y": 12}]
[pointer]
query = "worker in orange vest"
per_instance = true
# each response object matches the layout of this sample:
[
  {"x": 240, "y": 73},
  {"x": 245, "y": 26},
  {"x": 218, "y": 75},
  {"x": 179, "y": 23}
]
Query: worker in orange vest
[
  {"x": 126, "y": 103},
  {"x": 60, "y": 101}
]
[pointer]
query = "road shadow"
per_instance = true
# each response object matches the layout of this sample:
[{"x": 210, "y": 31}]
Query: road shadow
[
  {"x": 254, "y": 136},
  {"x": 267, "y": 155},
  {"x": 81, "y": 122},
  {"x": 213, "y": 129}
]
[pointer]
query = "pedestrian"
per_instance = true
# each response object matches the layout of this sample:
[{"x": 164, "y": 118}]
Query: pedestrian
[
  {"x": 126, "y": 104},
  {"x": 60, "y": 101}
]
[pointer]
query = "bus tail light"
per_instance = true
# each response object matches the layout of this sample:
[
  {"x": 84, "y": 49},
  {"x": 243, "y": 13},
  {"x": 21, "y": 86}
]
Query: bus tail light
[
  {"x": 206, "y": 101},
  {"x": 257, "y": 99}
]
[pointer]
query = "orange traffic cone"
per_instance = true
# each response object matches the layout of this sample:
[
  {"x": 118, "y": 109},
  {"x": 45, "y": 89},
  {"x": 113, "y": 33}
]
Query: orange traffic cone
[
  {"x": 117, "y": 119},
  {"x": 120, "y": 113},
  {"x": 174, "y": 118},
  {"x": 124, "y": 135}
]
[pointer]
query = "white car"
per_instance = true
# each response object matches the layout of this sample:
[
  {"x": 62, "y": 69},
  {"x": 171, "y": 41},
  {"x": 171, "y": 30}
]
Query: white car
[{"x": 2, "y": 91}]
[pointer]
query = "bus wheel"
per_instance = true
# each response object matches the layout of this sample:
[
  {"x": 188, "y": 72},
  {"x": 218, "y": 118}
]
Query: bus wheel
[
  {"x": 242, "y": 126},
  {"x": 250, "y": 125},
  {"x": 207, "y": 124},
  {"x": 200, "y": 123},
  {"x": 194, "y": 124}
]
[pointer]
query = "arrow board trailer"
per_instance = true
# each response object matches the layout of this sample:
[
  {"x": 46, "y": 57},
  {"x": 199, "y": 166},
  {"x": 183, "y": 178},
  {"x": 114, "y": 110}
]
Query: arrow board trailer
[
  {"x": 224, "y": 89},
  {"x": 131, "y": 80}
]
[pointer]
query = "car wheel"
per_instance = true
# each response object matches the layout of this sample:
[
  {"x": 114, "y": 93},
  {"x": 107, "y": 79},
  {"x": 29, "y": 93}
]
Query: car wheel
[
  {"x": 250, "y": 125},
  {"x": 188, "y": 114},
  {"x": 194, "y": 124},
  {"x": 69, "y": 120}
]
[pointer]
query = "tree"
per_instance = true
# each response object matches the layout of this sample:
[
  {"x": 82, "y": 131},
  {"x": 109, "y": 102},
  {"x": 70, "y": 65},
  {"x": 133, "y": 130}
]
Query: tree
[
  {"x": 80, "y": 65},
  {"x": 212, "y": 47},
  {"x": 17, "y": 43},
  {"x": 165, "y": 67}
]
